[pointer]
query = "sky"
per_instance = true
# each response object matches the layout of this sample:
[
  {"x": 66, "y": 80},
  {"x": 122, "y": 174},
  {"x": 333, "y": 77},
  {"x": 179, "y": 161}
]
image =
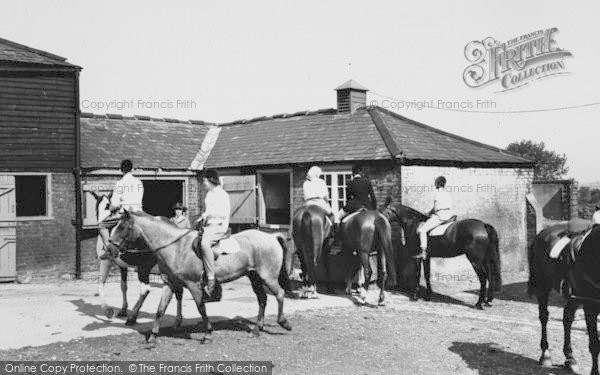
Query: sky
[{"x": 223, "y": 61}]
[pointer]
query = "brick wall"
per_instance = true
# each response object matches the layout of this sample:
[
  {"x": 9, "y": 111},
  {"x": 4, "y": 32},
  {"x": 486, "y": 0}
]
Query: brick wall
[
  {"x": 496, "y": 196},
  {"x": 47, "y": 247}
]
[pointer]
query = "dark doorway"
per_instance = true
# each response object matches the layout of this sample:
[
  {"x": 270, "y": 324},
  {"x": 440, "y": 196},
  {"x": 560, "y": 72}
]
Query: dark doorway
[
  {"x": 275, "y": 189},
  {"x": 161, "y": 195}
]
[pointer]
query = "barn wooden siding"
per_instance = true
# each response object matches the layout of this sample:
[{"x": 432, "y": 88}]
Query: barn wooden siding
[{"x": 38, "y": 112}]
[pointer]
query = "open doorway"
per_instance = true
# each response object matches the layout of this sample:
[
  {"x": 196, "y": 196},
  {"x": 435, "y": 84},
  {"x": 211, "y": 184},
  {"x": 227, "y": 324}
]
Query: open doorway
[
  {"x": 161, "y": 195},
  {"x": 275, "y": 199}
]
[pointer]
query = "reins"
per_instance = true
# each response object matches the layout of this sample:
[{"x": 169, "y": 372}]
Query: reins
[
  {"x": 153, "y": 251},
  {"x": 174, "y": 241}
]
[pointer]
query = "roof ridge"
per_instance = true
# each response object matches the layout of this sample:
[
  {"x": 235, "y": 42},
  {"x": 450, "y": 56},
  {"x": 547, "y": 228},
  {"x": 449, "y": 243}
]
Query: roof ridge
[
  {"x": 322, "y": 111},
  {"x": 385, "y": 134},
  {"x": 33, "y": 50},
  {"x": 448, "y": 134},
  {"x": 119, "y": 117}
]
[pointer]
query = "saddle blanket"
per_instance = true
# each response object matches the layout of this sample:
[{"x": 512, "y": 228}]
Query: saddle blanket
[{"x": 439, "y": 230}]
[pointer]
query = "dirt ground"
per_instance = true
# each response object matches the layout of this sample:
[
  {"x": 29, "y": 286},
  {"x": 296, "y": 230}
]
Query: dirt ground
[{"x": 444, "y": 336}]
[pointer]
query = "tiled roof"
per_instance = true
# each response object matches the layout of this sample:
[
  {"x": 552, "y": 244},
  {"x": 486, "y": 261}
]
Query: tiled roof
[
  {"x": 298, "y": 138},
  {"x": 149, "y": 142},
  {"x": 17, "y": 53},
  {"x": 371, "y": 133},
  {"x": 418, "y": 141}
]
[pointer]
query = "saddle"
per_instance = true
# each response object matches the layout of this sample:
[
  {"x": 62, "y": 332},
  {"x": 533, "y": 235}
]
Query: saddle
[
  {"x": 577, "y": 231},
  {"x": 441, "y": 229},
  {"x": 225, "y": 246}
]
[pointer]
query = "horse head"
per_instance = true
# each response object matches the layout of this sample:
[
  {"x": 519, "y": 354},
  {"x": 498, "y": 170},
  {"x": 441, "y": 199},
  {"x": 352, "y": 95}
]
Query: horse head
[{"x": 123, "y": 234}]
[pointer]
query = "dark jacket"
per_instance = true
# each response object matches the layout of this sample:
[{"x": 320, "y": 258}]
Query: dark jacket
[{"x": 359, "y": 193}]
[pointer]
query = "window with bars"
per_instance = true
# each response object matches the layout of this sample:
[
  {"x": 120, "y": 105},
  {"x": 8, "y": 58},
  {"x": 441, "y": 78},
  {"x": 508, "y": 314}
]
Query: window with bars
[{"x": 336, "y": 187}]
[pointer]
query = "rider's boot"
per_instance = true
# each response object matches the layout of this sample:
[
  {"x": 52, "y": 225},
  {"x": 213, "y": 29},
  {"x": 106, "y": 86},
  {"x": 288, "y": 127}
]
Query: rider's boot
[{"x": 422, "y": 254}]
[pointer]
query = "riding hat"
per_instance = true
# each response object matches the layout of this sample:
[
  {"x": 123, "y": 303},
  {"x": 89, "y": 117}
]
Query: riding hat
[
  {"x": 179, "y": 206},
  {"x": 212, "y": 176}
]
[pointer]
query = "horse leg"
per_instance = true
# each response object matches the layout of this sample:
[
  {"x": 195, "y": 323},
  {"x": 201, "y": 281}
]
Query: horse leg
[
  {"x": 103, "y": 273},
  {"x": 381, "y": 277},
  {"x": 415, "y": 295},
  {"x": 482, "y": 276},
  {"x": 427, "y": 274},
  {"x": 144, "y": 278},
  {"x": 179, "y": 296},
  {"x": 279, "y": 293},
  {"x": 197, "y": 293},
  {"x": 591, "y": 321},
  {"x": 261, "y": 295},
  {"x": 366, "y": 265},
  {"x": 545, "y": 358},
  {"x": 123, "y": 312},
  {"x": 167, "y": 294},
  {"x": 568, "y": 317}
]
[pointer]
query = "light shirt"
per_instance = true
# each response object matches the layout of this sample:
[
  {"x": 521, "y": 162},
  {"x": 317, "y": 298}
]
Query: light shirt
[
  {"x": 128, "y": 193},
  {"x": 315, "y": 188},
  {"x": 217, "y": 207},
  {"x": 442, "y": 204},
  {"x": 596, "y": 217},
  {"x": 181, "y": 221}
]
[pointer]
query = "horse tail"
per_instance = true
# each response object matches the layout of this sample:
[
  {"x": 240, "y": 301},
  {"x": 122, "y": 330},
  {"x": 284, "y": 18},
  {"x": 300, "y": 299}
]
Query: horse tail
[
  {"x": 311, "y": 245},
  {"x": 286, "y": 264},
  {"x": 495, "y": 267},
  {"x": 383, "y": 230}
]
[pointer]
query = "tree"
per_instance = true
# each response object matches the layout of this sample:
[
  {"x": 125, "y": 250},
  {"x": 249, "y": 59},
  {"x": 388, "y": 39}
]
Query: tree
[{"x": 549, "y": 165}]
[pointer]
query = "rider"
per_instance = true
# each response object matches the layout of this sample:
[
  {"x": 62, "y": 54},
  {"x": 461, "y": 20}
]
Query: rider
[
  {"x": 315, "y": 191},
  {"x": 127, "y": 194},
  {"x": 596, "y": 216},
  {"x": 179, "y": 218},
  {"x": 216, "y": 222},
  {"x": 441, "y": 211},
  {"x": 359, "y": 194}
]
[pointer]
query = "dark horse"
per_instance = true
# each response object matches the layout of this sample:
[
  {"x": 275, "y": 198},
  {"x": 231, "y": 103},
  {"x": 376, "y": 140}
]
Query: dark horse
[
  {"x": 312, "y": 237},
  {"x": 546, "y": 274},
  {"x": 262, "y": 257},
  {"x": 471, "y": 237},
  {"x": 143, "y": 260},
  {"x": 364, "y": 233}
]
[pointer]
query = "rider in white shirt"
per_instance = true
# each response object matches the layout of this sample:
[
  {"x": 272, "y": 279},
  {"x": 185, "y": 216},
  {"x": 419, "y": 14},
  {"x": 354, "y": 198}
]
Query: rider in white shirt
[
  {"x": 315, "y": 191},
  {"x": 215, "y": 220},
  {"x": 441, "y": 211},
  {"x": 127, "y": 194}
]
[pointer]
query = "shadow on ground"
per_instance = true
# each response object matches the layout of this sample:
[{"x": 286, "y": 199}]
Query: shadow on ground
[
  {"x": 517, "y": 292},
  {"x": 491, "y": 359}
]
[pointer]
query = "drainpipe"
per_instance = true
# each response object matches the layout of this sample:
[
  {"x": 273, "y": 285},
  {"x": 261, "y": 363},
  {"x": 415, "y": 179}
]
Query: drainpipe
[{"x": 77, "y": 173}]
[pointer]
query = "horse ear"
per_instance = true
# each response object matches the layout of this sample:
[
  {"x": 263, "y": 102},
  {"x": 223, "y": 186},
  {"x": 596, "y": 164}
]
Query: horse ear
[
  {"x": 388, "y": 200},
  {"x": 96, "y": 196},
  {"x": 126, "y": 214}
]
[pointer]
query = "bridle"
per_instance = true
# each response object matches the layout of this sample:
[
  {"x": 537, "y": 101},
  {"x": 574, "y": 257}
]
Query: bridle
[{"x": 121, "y": 246}]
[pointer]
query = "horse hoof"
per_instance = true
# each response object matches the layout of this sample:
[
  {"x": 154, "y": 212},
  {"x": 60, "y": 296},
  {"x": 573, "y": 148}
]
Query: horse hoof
[
  {"x": 286, "y": 325},
  {"x": 381, "y": 303},
  {"x": 572, "y": 366},
  {"x": 545, "y": 360},
  {"x": 478, "y": 306},
  {"x": 122, "y": 313},
  {"x": 206, "y": 340},
  {"x": 414, "y": 297},
  {"x": 254, "y": 334},
  {"x": 109, "y": 313},
  {"x": 152, "y": 338},
  {"x": 487, "y": 304},
  {"x": 131, "y": 322},
  {"x": 178, "y": 322}
]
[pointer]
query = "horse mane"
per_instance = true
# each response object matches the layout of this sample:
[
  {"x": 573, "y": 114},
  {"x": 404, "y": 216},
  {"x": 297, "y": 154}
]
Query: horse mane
[{"x": 409, "y": 211}]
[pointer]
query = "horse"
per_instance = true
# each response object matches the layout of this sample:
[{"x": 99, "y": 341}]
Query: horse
[
  {"x": 547, "y": 273},
  {"x": 142, "y": 259},
  {"x": 471, "y": 237},
  {"x": 262, "y": 257},
  {"x": 363, "y": 233},
  {"x": 312, "y": 234}
]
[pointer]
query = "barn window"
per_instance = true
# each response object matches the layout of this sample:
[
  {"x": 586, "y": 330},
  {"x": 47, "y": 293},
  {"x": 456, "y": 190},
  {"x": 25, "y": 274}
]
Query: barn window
[
  {"x": 32, "y": 194},
  {"x": 336, "y": 187}
]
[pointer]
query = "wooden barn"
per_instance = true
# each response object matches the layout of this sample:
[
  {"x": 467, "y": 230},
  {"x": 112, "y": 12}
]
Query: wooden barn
[
  {"x": 264, "y": 161},
  {"x": 39, "y": 159},
  {"x": 167, "y": 155}
]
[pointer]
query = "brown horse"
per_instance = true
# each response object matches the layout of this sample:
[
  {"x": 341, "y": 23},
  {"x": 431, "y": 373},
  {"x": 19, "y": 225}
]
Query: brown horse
[
  {"x": 580, "y": 274},
  {"x": 364, "y": 233},
  {"x": 142, "y": 259},
  {"x": 312, "y": 236},
  {"x": 471, "y": 237},
  {"x": 262, "y": 257}
]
